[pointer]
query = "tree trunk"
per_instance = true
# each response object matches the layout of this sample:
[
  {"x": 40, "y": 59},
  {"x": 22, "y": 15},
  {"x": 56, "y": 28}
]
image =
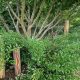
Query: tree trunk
[
  {"x": 66, "y": 27},
  {"x": 29, "y": 30},
  {"x": 2, "y": 59},
  {"x": 17, "y": 65},
  {"x": 23, "y": 16}
]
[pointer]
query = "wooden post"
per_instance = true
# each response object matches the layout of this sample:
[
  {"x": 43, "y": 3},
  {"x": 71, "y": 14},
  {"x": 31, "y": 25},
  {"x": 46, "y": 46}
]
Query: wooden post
[
  {"x": 2, "y": 59},
  {"x": 66, "y": 27},
  {"x": 17, "y": 65},
  {"x": 2, "y": 73}
]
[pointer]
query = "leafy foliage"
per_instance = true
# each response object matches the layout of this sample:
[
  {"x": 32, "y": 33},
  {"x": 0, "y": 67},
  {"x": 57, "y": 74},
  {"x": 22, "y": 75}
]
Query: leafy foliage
[
  {"x": 60, "y": 59},
  {"x": 36, "y": 49},
  {"x": 11, "y": 41},
  {"x": 2, "y": 54},
  {"x": 47, "y": 59},
  {"x": 56, "y": 59}
]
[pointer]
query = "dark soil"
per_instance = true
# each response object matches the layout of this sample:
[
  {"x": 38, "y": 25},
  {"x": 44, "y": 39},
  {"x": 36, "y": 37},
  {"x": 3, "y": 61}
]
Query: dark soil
[{"x": 10, "y": 72}]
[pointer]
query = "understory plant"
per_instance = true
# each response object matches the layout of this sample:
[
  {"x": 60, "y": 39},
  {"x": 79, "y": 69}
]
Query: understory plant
[
  {"x": 11, "y": 41},
  {"x": 59, "y": 59},
  {"x": 47, "y": 59}
]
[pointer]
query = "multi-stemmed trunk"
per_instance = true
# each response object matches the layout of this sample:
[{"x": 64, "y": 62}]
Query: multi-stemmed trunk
[{"x": 28, "y": 19}]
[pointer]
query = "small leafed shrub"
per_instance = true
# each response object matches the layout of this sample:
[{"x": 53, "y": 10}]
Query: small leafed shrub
[
  {"x": 54, "y": 60},
  {"x": 48, "y": 59},
  {"x": 11, "y": 41}
]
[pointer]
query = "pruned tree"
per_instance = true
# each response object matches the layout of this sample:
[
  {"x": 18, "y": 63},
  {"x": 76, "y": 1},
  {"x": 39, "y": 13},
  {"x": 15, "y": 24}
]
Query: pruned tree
[{"x": 34, "y": 18}]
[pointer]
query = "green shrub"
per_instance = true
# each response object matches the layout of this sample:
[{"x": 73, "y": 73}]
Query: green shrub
[
  {"x": 36, "y": 49},
  {"x": 48, "y": 59},
  {"x": 2, "y": 54},
  {"x": 54, "y": 60},
  {"x": 66, "y": 56},
  {"x": 11, "y": 41}
]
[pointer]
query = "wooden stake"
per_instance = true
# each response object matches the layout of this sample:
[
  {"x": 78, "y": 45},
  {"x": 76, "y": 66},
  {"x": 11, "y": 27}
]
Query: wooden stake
[
  {"x": 17, "y": 65},
  {"x": 2, "y": 73},
  {"x": 66, "y": 27}
]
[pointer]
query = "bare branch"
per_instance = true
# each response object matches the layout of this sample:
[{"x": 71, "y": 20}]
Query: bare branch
[
  {"x": 49, "y": 29},
  {"x": 23, "y": 28},
  {"x": 4, "y": 23},
  {"x": 52, "y": 21},
  {"x": 34, "y": 11},
  {"x": 26, "y": 18},
  {"x": 38, "y": 15},
  {"x": 44, "y": 21},
  {"x": 12, "y": 11},
  {"x": 37, "y": 26},
  {"x": 13, "y": 21},
  {"x": 48, "y": 14},
  {"x": 47, "y": 17},
  {"x": 23, "y": 16},
  {"x": 28, "y": 13},
  {"x": 18, "y": 14},
  {"x": 35, "y": 31},
  {"x": 42, "y": 29}
]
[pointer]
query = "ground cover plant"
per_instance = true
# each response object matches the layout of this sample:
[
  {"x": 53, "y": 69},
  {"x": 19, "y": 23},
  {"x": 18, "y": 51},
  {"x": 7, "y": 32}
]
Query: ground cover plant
[{"x": 60, "y": 60}]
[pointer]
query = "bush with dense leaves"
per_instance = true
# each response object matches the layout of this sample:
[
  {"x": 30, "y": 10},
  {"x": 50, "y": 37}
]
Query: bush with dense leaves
[
  {"x": 11, "y": 41},
  {"x": 59, "y": 59},
  {"x": 56, "y": 59}
]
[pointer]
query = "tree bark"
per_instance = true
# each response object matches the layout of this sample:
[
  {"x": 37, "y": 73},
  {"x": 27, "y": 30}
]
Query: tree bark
[
  {"x": 17, "y": 65},
  {"x": 29, "y": 31},
  {"x": 23, "y": 16}
]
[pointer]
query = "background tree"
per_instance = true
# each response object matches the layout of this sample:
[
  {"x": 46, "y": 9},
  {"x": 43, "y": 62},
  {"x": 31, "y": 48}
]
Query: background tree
[{"x": 33, "y": 18}]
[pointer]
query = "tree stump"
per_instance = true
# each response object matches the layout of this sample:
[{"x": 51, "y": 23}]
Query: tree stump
[
  {"x": 66, "y": 27},
  {"x": 17, "y": 65}
]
